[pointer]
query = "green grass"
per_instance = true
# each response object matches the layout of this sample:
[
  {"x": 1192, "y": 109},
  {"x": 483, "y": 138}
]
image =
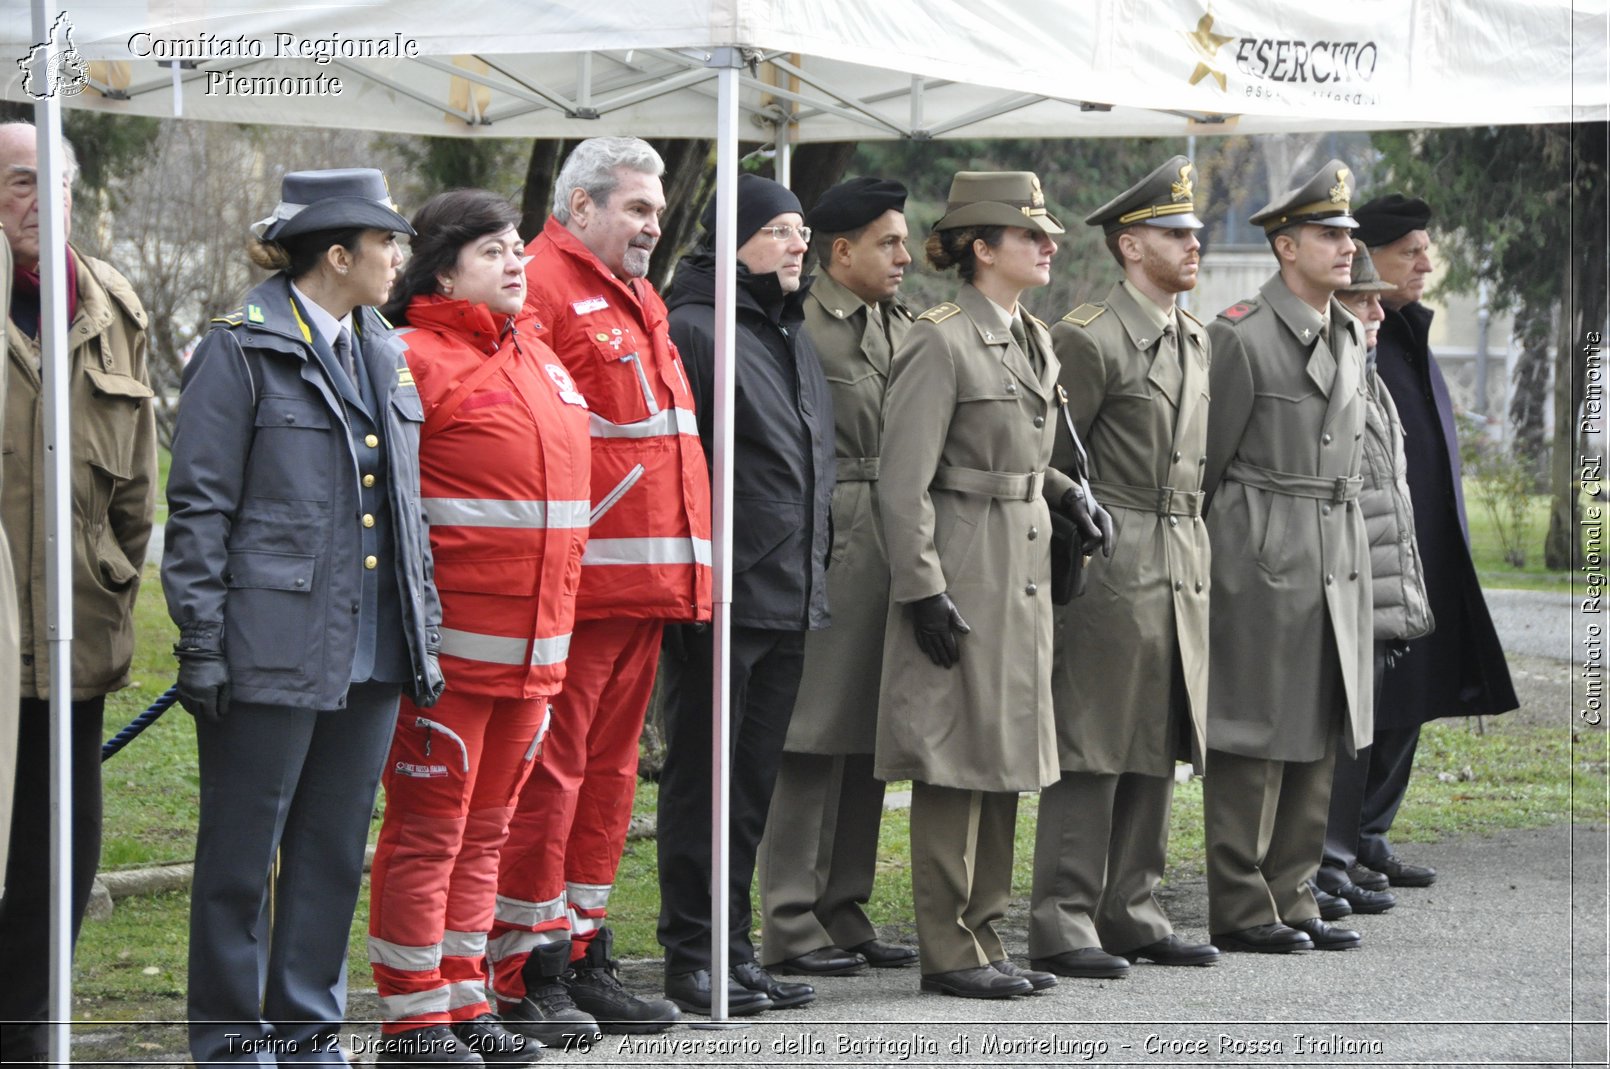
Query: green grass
[{"x": 1487, "y": 545}]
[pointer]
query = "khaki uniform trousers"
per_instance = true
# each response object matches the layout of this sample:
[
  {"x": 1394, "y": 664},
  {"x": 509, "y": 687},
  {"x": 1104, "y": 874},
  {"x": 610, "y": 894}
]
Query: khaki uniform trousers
[
  {"x": 1101, "y": 844},
  {"x": 1265, "y": 827},
  {"x": 819, "y": 854},
  {"x": 961, "y": 873}
]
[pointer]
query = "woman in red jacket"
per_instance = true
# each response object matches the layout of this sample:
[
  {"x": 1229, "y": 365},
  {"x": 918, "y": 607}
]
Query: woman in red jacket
[{"x": 504, "y": 483}]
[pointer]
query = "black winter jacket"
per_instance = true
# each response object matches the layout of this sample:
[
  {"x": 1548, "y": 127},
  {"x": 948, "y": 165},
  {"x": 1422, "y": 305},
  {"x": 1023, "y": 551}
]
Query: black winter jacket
[{"x": 783, "y": 461}]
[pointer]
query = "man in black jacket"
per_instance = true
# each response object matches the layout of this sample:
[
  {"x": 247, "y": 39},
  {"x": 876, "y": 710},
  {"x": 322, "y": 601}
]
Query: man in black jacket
[
  {"x": 1458, "y": 669},
  {"x": 782, "y": 486}
]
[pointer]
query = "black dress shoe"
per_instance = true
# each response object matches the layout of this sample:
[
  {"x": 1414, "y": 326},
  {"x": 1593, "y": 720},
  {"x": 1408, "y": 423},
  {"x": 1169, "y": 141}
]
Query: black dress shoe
[
  {"x": 823, "y": 961},
  {"x": 1332, "y": 907},
  {"x": 1325, "y": 937},
  {"x": 1172, "y": 950},
  {"x": 782, "y": 995},
  {"x": 496, "y": 1045},
  {"x": 980, "y": 982},
  {"x": 1091, "y": 963},
  {"x": 881, "y": 955},
  {"x": 1038, "y": 980},
  {"x": 691, "y": 991},
  {"x": 432, "y": 1045},
  {"x": 1365, "y": 901},
  {"x": 1264, "y": 939},
  {"x": 1400, "y": 873},
  {"x": 1367, "y": 878}
]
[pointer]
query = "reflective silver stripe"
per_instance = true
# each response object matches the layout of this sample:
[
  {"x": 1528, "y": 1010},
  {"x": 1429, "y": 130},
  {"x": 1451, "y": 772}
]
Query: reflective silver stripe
[
  {"x": 642, "y": 380},
  {"x": 522, "y": 914},
  {"x": 580, "y": 925},
  {"x": 413, "y": 1004},
  {"x": 587, "y": 895},
  {"x": 463, "y": 944},
  {"x": 405, "y": 958},
  {"x": 431, "y": 725},
  {"x": 647, "y": 551},
  {"x": 461, "y": 993},
  {"x": 486, "y": 512},
  {"x": 607, "y": 502},
  {"x": 665, "y": 422},
  {"x": 509, "y": 944},
  {"x": 498, "y": 649}
]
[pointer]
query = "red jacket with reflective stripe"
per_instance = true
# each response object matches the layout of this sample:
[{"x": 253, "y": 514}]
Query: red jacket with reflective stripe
[
  {"x": 504, "y": 484},
  {"x": 649, "y": 554}
]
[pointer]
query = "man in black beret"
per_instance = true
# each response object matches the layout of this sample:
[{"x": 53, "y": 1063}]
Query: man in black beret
[
  {"x": 1458, "y": 669},
  {"x": 821, "y": 845},
  {"x": 782, "y": 486}
]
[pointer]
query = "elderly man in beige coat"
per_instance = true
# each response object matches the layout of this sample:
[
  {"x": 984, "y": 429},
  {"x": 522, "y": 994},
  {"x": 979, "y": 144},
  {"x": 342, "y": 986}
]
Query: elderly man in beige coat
[
  {"x": 9, "y": 653},
  {"x": 1290, "y": 630},
  {"x": 821, "y": 846},
  {"x": 1130, "y": 678}
]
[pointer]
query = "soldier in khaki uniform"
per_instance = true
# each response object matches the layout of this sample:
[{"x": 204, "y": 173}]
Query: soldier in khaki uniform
[
  {"x": 1290, "y": 658},
  {"x": 965, "y": 708},
  {"x": 1130, "y": 678},
  {"x": 821, "y": 844}
]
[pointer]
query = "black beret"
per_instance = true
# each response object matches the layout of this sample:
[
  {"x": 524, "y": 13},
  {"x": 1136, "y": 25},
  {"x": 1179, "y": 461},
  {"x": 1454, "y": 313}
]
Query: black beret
[
  {"x": 760, "y": 200},
  {"x": 1385, "y": 219},
  {"x": 853, "y": 204}
]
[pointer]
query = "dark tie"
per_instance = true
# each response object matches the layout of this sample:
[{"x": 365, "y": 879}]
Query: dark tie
[
  {"x": 1021, "y": 335},
  {"x": 343, "y": 353}
]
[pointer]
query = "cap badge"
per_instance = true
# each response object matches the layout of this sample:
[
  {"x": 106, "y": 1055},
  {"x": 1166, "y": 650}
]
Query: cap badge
[
  {"x": 1338, "y": 192},
  {"x": 1036, "y": 197},
  {"x": 1183, "y": 189}
]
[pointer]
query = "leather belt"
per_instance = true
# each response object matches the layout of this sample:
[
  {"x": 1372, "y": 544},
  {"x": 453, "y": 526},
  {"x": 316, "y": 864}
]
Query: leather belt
[
  {"x": 1163, "y": 500},
  {"x": 1336, "y": 489},
  {"x": 858, "y": 469}
]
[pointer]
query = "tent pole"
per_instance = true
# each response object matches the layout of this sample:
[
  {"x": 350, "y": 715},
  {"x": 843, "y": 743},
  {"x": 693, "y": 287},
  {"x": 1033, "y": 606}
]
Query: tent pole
[
  {"x": 783, "y": 164},
  {"x": 727, "y": 63},
  {"x": 58, "y": 526}
]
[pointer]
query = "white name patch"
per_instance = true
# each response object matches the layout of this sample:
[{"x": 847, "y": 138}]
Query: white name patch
[{"x": 591, "y": 304}]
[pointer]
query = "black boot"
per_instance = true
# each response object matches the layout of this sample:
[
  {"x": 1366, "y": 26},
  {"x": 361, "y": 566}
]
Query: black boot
[
  {"x": 547, "y": 1013},
  {"x": 432, "y": 1045},
  {"x": 596, "y": 989}
]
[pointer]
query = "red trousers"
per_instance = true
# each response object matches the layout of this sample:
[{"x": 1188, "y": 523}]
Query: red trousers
[
  {"x": 567, "y": 836},
  {"x": 451, "y": 780}
]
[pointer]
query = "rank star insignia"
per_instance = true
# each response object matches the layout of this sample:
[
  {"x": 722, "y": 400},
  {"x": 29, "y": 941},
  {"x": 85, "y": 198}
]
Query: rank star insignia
[
  {"x": 1306, "y": 333},
  {"x": 1206, "y": 43}
]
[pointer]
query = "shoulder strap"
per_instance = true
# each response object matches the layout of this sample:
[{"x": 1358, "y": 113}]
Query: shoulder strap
[{"x": 444, "y": 411}]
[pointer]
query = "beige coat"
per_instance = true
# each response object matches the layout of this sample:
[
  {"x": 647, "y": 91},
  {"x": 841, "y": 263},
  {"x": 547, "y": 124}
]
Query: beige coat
[
  {"x": 968, "y": 432},
  {"x": 114, "y": 468},
  {"x": 1291, "y": 649},
  {"x": 10, "y": 665},
  {"x": 1142, "y": 414},
  {"x": 837, "y": 710}
]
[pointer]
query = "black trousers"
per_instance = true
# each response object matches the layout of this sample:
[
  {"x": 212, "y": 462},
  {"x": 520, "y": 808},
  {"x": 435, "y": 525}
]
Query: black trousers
[
  {"x": 1365, "y": 796},
  {"x": 763, "y": 681},
  {"x": 25, "y": 909}
]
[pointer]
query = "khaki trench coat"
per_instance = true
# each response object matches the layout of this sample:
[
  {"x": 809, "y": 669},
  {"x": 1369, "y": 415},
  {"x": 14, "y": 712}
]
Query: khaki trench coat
[
  {"x": 10, "y": 665},
  {"x": 968, "y": 431},
  {"x": 1142, "y": 414},
  {"x": 1291, "y": 662},
  {"x": 837, "y": 710},
  {"x": 114, "y": 468}
]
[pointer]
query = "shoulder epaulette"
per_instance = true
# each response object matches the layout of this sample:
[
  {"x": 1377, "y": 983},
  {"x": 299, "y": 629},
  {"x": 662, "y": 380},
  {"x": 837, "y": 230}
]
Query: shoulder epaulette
[
  {"x": 1084, "y": 315},
  {"x": 940, "y": 312},
  {"x": 1188, "y": 315},
  {"x": 1038, "y": 320},
  {"x": 233, "y": 319},
  {"x": 1239, "y": 310}
]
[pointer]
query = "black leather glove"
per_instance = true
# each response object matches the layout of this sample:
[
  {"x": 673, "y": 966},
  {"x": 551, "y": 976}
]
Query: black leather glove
[
  {"x": 435, "y": 682},
  {"x": 203, "y": 683},
  {"x": 1396, "y": 650},
  {"x": 1094, "y": 523},
  {"x": 937, "y": 623}
]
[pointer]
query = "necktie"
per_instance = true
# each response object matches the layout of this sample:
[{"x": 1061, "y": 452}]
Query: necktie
[
  {"x": 343, "y": 353},
  {"x": 1021, "y": 335}
]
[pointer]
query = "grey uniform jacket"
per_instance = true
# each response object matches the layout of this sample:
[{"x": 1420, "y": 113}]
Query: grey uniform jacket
[
  {"x": 1141, "y": 410},
  {"x": 968, "y": 430},
  {"x": 1291, "y": 659},
  {"x": 262, "y": 555},
  {"x": 837, "y": 711}
]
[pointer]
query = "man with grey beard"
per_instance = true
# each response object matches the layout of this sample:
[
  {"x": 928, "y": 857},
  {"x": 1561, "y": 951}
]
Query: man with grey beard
[{"x": 647, "y": 563}]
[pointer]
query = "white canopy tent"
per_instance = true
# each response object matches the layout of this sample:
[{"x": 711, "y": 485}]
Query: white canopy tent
[{"x": 770, "y": 70}]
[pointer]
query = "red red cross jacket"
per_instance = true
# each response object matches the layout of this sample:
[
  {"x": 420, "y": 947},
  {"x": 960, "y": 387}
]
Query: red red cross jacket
[
  {"x": 649, "y": 552},
  {"x": 503, "y": 472}
]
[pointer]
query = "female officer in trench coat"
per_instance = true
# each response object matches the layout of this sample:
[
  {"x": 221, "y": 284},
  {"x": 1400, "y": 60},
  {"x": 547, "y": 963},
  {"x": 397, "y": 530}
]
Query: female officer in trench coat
[{"x": 965, "y": 710}]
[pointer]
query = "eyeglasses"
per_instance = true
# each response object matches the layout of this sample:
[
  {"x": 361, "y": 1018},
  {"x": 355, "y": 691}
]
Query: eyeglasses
[{"x": 783, "y": 233}]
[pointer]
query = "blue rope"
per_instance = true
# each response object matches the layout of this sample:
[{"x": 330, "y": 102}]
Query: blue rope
[{"x": 140, "y": 723}]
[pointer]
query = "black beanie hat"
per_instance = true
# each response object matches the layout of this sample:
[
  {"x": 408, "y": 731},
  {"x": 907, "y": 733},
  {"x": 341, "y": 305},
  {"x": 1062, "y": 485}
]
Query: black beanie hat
[
  {"x": 760, "y": 200},
  {"x": 1385, "y": 219},
  {"x": 853, "y": 204}
]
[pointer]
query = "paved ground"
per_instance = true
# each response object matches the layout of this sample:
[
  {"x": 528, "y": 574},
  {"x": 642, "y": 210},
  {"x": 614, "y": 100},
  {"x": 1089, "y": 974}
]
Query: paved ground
[{"x": 1502, "y": 962}]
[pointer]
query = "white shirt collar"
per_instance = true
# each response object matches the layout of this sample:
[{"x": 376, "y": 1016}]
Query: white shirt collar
[{"x": 328, "y": 326}]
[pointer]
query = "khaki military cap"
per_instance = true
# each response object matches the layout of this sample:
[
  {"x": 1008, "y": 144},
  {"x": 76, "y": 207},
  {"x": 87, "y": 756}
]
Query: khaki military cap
[
  {"x": 1165, "y": 198},
  {"x": 1322, "y": 200},
  {"x": 1365, "y": 278},
  {"x": 997, "y": 198}
]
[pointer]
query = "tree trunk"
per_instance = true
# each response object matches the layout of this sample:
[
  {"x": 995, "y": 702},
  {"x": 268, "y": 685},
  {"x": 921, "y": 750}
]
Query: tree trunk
[
  {"x": 690, "y": 175},
  {"x": 536, "y": 197},
  {"x": 818, "y": 167},
  {"x": 1528, "y": 409},
  {"x": 1561, "y": 544}
]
